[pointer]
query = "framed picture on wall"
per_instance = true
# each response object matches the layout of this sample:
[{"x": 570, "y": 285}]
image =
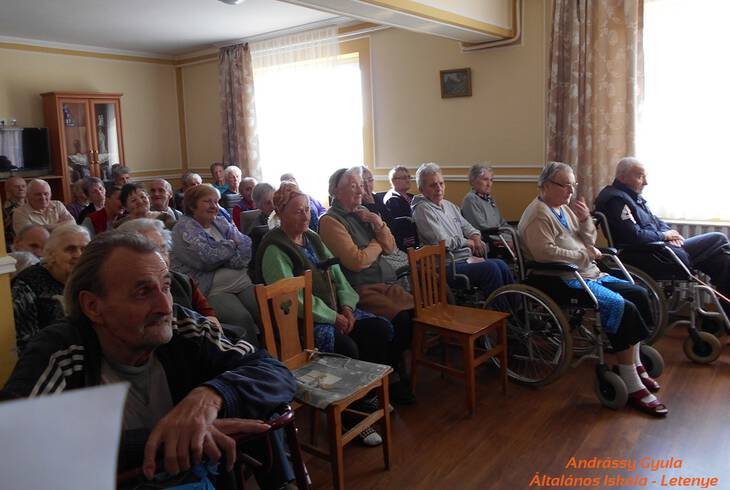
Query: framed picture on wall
[{"x": 456, "y": 83}]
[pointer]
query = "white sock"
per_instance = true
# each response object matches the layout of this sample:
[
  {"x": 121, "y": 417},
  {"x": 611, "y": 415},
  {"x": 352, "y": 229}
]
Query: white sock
[{"x": 633, "y": 383}]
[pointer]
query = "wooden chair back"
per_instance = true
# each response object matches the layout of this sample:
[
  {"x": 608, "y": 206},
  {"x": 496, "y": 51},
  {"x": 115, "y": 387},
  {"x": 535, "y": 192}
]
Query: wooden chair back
[
  {"x": 428, "y": 276},
  {"x": 279, "y": 309}
]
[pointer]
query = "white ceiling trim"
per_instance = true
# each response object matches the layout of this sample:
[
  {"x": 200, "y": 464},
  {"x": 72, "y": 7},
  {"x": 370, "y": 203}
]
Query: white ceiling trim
[{"x": 82, "y": 47}]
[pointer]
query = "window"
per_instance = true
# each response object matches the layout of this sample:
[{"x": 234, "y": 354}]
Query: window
[
  {"x": 685, "y": 124},
  {"x": 310, "y": 119}
]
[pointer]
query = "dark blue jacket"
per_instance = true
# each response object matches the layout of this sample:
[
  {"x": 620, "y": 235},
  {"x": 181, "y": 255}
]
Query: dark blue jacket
[
  {"x": 629, "y": 218},
  {"x": 397, "y": 205}
]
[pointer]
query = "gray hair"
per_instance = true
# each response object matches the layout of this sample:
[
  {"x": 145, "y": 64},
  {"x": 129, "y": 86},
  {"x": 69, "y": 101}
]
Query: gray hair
[
  {"x": 165, "y": 184},
  {"x": 338, "y": 178},
  {"x": 477, "y": 170},
  {"x": 260, "y": 191},
  {"x": 86, "y": 274},
  {"x": 88, "y": 182},
  {"x": 188, "y": 177},
  {"x": 232, "y": 169},
  {"x": 120, "y": 169},
  {"x": 26, "y": 229},
  {"x": 57, "y": 236},
  {"x": 41, "y": 182},
  {"x": 626, "y": 164},
  {"x": 142, "y": 225},
  {"x": 287, "y": 176},
  {"x": 551, "y": 170},
  {"x": 395, "y": 170},
  {"x": 424, "y": 171}
]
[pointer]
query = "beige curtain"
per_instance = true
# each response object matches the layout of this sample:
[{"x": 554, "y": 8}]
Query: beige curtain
[
  {"x": 238, "y": 110},
  {"x": 595, "y": 84}
]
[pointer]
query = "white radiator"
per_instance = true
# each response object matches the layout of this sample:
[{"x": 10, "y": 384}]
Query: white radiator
[{"x": 692, "y": 228}]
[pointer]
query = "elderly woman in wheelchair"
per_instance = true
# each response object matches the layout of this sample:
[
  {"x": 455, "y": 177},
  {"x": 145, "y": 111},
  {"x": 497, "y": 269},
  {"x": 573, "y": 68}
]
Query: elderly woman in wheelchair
[{"x": 560, "y": 238}]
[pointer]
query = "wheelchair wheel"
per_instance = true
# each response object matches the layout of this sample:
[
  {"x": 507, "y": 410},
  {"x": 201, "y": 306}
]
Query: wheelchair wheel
[
  {"x": 657, "y": 303},
  {"x": 705, "y": 351},
  {"x": 539, "y": 344},
  {"x": 652, "y": 360},
  {"x": 611, "y": 390}
]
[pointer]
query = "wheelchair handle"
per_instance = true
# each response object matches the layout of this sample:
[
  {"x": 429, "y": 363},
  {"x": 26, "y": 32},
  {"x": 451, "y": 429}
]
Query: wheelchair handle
[{"x": 326, "y": 264}]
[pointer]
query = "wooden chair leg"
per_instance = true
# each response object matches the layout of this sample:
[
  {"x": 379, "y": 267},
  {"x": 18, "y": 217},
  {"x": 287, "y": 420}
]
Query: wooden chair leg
[
  {"x": 334, "y": 428},
  {"x": 416, "y": 353},
  {"x": 300, "y": 470},
  {"x": 313, "y": 424},
  {"x": 384, "y": 396},
  {"x": 469, "y": 374}
]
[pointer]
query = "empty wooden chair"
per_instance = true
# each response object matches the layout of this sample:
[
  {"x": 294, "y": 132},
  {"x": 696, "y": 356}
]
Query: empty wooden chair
[{"x": 457, "y": 325}]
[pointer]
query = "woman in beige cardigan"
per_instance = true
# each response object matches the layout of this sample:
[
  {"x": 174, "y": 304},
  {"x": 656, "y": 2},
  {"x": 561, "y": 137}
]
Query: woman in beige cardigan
[{"x": 552, "y": 230}]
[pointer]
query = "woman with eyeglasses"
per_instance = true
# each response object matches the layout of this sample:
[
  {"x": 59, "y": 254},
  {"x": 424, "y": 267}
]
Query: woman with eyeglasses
[{"x": 557, "y": 228}]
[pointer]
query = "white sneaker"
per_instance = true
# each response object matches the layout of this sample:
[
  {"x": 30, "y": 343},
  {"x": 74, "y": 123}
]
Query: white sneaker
[{"x": 370, "y": 438}]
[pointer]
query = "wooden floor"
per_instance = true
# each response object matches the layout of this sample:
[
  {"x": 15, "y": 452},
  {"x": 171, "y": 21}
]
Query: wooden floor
[{"x": 534, "y": 433}]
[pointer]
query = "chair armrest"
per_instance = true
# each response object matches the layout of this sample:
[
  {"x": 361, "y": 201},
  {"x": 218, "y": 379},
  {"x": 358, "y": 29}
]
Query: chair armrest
[
  {"x": 644, "y": 247},
  {"x": 490, "y": 231},
  {"x": 551, "y": 266},
  {"x": 608, "y": 251}
]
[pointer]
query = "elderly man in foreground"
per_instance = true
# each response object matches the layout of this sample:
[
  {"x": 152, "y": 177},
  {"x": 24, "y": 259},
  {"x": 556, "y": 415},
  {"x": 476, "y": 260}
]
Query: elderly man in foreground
[
  {"x": 187, "y": 380},
  {"x": 632, "y": 223},
  {"x": 40, "y": 209}
]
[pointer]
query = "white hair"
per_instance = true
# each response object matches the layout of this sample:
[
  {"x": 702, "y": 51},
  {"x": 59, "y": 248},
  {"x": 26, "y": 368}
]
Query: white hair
[
  {"x": 424, "y": 171},
  {"x": 477, "y": 170},
  {"x": 551, "y": 170},
  {"x": 165, "y": 184},
  {"x": 626, "y": 164},
  {"x": 41, "y": 182},
  {"x": 232, "y": 169},
  {"x": 57, "y": 236},
  {"x": 142, "y": 225}
]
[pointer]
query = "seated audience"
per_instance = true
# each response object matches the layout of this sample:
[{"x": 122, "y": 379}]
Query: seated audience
[
  {"x": 246, "y": 189},
  {"x": 105, "y": 219},
  {"x": 213, "y": 252},
  {"x": 121, "y": 175},
  {"x": 31, "y": 238},
  {"x": 316, "y": 207},
  {"x": 187, "y": 381},
  {"x": 361, "y": 239},
  {"x": 370, "y": 200},
  {"x": 339, "y": 326},
  {"x": 188, "y": 179},
  {"x": 136, "y": 203},
  {"x": 397, "y": 200},
  {"x": 438, "y": 219},
  {"x": 479, "y": 207},
  {"x": 632, "y": 223},
  {"x": 80, "y": 199},
  {"x": 551, "y": 230},
  {"x": 219, "y": 181},
  {"x": 160, "y": 195},
  {"x": 40, "y": 209},
  {"x": 95, "y": 191},
  {"x": 37, "y": 290},
  {"x": 263, "y": 198},
  {"x": 15, "y": 194}
]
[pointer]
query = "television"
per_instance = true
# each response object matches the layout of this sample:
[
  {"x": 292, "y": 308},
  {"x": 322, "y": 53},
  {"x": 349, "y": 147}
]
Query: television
[{"x": 26, "y": 149}]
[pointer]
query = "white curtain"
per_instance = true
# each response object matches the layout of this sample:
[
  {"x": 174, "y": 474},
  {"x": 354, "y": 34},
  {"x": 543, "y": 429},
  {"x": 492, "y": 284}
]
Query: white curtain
[
  {"x": 684, "y": 129},
  {"x": 309, "y": 108}
]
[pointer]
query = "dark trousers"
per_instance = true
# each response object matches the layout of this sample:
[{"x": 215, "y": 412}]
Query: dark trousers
[
  {"x": 637, "y": 314},
  {"x": 368, "y": 341},
  {"x": 487, "y": 276},
  {"x": 710, "y": 253}
]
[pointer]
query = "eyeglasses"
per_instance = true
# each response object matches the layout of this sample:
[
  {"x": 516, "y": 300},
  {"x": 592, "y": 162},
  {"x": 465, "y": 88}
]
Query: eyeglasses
[{"x": 572, "y": 186}]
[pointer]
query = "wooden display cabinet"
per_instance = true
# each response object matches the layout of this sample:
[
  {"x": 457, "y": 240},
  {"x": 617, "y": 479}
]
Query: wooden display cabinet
[{"x": 85, "y": 133}]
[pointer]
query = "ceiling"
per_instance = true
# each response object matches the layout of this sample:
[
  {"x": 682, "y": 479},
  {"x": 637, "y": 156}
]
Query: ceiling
[{"x": 148, "y": 27}]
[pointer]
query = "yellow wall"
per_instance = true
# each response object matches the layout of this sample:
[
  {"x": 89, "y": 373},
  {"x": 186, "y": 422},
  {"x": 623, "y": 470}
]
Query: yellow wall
[
  {"x": 202, "y": 114},
  {"x": 7, "y": 325},
  {"x": 149, "y": 104}
]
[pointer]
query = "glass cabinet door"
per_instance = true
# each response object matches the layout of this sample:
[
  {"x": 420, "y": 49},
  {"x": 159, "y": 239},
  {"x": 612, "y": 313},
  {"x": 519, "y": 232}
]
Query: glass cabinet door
[
  {"x": 107, "y": 137},
  {"x": 77, "y": 144}
]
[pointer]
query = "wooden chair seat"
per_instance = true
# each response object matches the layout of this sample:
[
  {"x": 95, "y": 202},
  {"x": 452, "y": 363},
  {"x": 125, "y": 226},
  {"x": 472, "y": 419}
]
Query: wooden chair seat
[
  {"x": 459, "y": 325},
  {"x": 279, "y": 306}
]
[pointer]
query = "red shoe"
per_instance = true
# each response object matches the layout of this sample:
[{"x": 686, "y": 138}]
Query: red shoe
[
  {"x": 649, "y": 382},
  {"x": 655, "y": 408}
]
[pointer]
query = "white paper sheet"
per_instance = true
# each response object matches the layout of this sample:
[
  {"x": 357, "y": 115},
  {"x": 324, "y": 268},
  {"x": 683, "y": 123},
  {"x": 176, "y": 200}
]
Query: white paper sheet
[{"x": 66, "y": 441}]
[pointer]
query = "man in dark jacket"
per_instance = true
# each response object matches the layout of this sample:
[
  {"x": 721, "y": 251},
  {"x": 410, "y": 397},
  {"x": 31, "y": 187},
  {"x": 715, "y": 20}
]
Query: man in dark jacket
[
  {"x": 632, "y": 223},
  {"x": 185, "y": 376}
]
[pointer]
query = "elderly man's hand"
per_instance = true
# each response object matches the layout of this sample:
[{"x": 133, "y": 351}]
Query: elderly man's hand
[
  {"x": 241, "y": 426},
  {"x": 189, "y": 428},
  {"x": 476, "y": 245},
  {"x": 673, "y": 237},
  {"x": 580, "y": 208},
  {"x": 594, "y": 253}
]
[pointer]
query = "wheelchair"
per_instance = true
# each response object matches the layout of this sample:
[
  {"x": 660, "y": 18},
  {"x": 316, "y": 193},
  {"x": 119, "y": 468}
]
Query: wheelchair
[
  {"x": 679, "y": 288},
  {"x": 553, "y": 326}
]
